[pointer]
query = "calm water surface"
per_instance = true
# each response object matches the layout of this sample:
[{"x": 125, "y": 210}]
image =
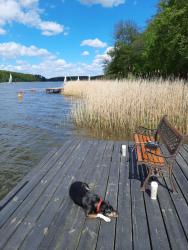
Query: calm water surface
[{"x": 29, "y": 128}]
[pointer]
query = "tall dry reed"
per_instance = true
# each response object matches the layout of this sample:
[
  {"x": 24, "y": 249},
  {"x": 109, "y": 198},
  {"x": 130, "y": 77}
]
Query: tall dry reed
[{"x": 114, "y": 109}]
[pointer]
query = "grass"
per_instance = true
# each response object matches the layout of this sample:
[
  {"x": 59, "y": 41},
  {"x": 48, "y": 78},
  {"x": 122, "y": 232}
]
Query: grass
[{"x": 114, "y": 109}]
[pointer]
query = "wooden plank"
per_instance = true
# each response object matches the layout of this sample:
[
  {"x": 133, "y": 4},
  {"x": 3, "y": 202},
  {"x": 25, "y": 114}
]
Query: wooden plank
[
  {"x": 123, "y": 239},
  {"x": 159, "y": 238},
  {"x": 185, "y": 147},
  {"x": 18, "y": 216},
  {"x": 69, "y": 210},
  {"x": 157, "y": 231},
  {"x": 139, "y": 219},
  {"x": 138, "y": 148},
  {"x": 183, "y": 165},
  {"x": 106, "y": 229},
  {"x": 50, "y": 239},
  {"x": 146, "y": 157},
  {"x": 89, "y": 234},
  {"x": 35, "y": 237},
  {"x": 181, "y": 180},
  {"x": 176, "y": 236},
  {"x": 184, "y": 154},
  {"x": 72, "y": 229},
  {"x": 25, "y": 180},
  {"x": 140, "y": 141},
  {"x": 181, "y": 207}
]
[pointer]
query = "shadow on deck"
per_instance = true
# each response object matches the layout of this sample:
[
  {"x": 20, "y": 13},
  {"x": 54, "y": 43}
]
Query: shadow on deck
[{"x": 38, "y": 214}]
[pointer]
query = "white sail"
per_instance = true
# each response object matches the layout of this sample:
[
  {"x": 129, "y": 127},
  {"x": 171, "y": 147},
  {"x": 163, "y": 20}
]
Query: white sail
[{"x": 10, "y": 78}]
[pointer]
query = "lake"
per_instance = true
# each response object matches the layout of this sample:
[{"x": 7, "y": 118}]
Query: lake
[{"x": 29, "y": 128}]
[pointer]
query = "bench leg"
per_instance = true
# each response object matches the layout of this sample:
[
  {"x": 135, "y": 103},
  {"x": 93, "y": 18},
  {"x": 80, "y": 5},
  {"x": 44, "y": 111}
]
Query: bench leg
[
  {"x": 143, "y": 188},
  {"x": 171, "y": 180}
]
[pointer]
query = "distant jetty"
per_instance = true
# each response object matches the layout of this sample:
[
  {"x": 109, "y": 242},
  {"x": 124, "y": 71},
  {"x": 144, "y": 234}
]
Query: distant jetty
[{"x": 54, "y": 90}]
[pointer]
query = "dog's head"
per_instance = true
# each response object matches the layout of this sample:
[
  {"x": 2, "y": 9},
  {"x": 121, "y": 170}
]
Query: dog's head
[{"x": 108, "y": 210}]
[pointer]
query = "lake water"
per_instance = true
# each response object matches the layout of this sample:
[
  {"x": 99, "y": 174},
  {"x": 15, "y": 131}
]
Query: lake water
[{"x": 29, "y": 128}]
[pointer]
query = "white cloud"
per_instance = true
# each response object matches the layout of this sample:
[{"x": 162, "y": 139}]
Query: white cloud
[
  {"x": 2, "y": 31},
  {"x": 28, "y": 13},
  {"x": 85, "y": 53},
  {"x": 60, "y": 68},
  {"x": 108, "y": 49},
  {"x": 104, "y": 3},
  {"x": 46, "y": 63},
  {"x": 50, "y": 28},
  {"x": 101, "y": 58},
  {"x": 95, "y": 43},
  {"x": 14, "y": 50},
  {"x": 28, "y": 3}
]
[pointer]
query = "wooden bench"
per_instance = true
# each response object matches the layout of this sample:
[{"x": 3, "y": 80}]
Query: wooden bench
[{"x": 155, "y": 160}]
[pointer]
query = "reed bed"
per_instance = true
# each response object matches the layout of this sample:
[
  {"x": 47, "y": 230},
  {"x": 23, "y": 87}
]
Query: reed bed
[{"x": 114, "y": 109}]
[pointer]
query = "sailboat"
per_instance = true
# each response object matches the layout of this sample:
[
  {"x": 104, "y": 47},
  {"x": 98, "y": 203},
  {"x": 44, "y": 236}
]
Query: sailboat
[{"x": 10, "y": 79}]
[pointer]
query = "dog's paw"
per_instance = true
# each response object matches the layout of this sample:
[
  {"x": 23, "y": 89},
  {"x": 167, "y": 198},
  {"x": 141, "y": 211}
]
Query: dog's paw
[
  {"x": 92, "y": 186},
  {"x": 113, "y": 214},
  {"x": 103, "y": 217}
]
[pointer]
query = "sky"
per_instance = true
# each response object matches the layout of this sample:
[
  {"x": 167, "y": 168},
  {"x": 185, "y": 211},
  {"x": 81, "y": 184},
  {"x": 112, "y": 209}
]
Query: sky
[{"x": 64, "y": 37}]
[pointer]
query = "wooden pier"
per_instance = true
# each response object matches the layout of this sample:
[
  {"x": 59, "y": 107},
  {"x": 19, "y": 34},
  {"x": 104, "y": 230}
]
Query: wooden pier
[
  {"x": 47, "y": 90},
  {"x": 38, "y": 213},
  {"x": 54, "y": 90}
]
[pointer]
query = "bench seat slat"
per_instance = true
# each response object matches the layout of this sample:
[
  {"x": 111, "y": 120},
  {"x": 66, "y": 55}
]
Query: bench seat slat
[
  {"x": 140, "y": 140},
  {"x": 146, "y": 157},
  {"x": 138, "y": 149}
]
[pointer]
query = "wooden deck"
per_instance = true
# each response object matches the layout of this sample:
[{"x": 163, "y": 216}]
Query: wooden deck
[{"x": 38, "y": 214}]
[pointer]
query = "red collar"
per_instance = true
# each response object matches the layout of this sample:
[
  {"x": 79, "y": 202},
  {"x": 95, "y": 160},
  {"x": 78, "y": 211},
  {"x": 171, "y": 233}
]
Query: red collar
[{"x": 99, "y": 205}]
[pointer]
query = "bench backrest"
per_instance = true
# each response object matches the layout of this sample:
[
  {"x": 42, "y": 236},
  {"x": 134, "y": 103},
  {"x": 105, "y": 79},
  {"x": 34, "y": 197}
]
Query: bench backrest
[{"x": 170, "y": 136}]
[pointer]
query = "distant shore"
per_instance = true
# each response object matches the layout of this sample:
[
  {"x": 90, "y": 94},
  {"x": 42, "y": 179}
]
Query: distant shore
[{"x": 21, "y": 77}]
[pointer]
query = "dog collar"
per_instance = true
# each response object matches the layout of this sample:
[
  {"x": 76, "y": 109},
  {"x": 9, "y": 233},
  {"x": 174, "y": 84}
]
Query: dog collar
[{"x": 99, "y": 205}]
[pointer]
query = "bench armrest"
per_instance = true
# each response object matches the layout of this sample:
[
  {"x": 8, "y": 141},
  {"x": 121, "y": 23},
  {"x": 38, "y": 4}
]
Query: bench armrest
[{"x": 159, "y": 155}]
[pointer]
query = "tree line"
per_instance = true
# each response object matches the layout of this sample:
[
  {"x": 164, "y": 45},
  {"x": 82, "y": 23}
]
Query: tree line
[
  {"x": 19, "y": 77},
  {"x": 161, "y": 50}
]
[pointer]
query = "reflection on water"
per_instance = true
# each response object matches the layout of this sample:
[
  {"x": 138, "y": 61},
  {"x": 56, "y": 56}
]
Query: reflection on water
[{"x": 30, "y": 125}]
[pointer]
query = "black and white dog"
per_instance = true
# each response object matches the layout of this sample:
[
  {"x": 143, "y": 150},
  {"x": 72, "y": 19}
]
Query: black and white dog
[{"x": 93, "y": 205}]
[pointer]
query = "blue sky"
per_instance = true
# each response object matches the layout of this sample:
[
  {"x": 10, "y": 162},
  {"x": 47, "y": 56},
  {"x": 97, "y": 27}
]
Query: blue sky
[{"x": 64, "y": 37}]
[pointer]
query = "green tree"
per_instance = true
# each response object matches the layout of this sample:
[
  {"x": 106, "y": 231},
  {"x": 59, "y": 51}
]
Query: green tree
[
  {"x": 166, "y": 39},
  {"x": 19, "y": 77},
  {"x": 161, "y": 50},
  {"x": 123, "y": 56}
]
